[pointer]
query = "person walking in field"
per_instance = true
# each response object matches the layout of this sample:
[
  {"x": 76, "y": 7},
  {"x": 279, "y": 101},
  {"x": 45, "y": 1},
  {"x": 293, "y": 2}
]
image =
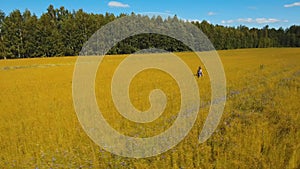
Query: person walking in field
[{"x": 199, "y": 72}]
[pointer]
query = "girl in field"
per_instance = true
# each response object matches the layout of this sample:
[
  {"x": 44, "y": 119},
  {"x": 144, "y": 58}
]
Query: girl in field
[{"x": 199, "y": 72}]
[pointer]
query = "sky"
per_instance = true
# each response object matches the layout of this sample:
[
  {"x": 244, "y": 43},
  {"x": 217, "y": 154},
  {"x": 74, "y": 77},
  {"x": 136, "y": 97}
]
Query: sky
[{"x": 252, "y": 13}]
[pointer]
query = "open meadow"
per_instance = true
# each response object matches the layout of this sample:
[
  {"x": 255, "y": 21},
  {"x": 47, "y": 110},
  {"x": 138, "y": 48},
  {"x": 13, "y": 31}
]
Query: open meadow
[{"x": 260, "y": 126}]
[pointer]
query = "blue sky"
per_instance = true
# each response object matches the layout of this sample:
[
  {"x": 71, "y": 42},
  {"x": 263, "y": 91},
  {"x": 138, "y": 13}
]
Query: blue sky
[{"x": 252, "y": 13}]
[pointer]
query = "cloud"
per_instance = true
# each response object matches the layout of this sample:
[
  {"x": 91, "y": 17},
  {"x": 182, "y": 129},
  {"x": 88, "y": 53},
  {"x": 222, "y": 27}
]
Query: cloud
[
  {"x": 196, "y": 20},
  {"x": 252, "y": 7},
  {"x": 251, "y": 20},
  {"x": 193, "y": 20},
  {"x": 211, "y": 13},
  {"x": 118, "y": 4},
  {"x": 227, "y": 22},
  {"x": 292, "y": 5}
]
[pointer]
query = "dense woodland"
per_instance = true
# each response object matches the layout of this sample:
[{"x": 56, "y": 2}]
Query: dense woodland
[{"x": 60, "y": 32}]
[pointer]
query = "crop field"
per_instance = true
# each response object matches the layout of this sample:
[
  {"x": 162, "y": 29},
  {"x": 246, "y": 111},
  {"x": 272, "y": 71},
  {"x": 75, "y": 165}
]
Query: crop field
[{"x": 260, "y": 126}]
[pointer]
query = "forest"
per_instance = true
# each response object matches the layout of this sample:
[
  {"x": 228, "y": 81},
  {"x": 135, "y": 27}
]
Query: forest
[{"x": 61, "y": 32}]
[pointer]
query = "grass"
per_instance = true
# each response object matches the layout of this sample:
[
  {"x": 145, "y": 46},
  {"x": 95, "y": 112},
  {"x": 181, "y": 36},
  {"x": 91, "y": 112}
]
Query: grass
[{"x": 259, "y": 127}]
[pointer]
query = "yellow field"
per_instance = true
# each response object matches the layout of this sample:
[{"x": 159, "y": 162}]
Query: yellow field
[{"x": 259, "y": 128}]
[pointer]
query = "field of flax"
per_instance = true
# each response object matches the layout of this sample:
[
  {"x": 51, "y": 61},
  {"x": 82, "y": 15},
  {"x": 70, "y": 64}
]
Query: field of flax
[{"x": 259, "y": 128}]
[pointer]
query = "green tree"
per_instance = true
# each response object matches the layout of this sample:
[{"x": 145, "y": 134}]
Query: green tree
[
  {"x": 59, "y": 32},
  {"x": 13, "y": 35},
  {"x": 2, "y": 45},
  {"x": 30, "y": 35},
  {"x": 50, "y": 38}
]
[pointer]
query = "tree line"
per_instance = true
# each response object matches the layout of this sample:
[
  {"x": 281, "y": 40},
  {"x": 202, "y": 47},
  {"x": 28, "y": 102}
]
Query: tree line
[{"x": 60, "y": 32}]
